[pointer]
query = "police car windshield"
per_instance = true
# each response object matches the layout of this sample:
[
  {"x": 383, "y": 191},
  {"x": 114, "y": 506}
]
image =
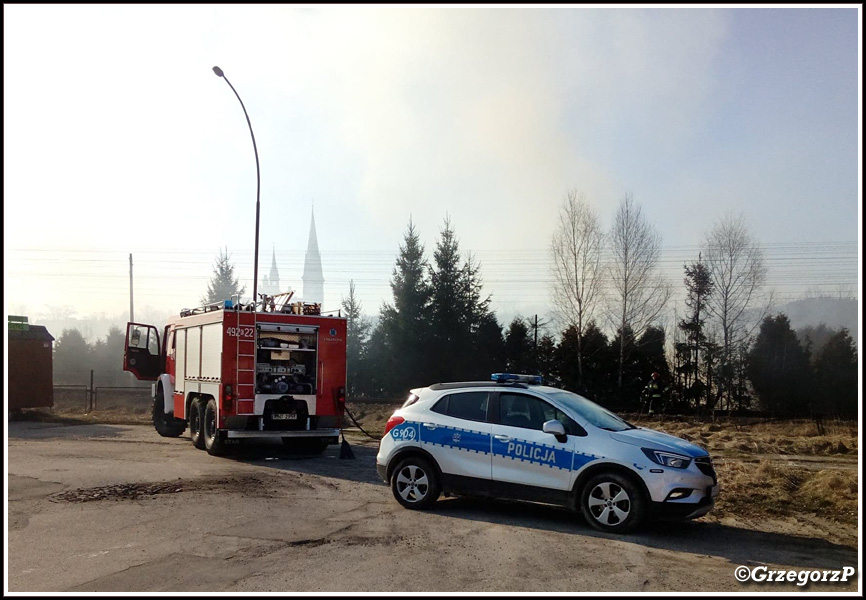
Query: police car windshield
[{"x": 592, "y": 412}]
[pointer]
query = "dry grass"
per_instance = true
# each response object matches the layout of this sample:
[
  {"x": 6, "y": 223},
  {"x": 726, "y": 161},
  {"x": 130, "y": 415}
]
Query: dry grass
[
  {"x": 748, "y": 437},
  {"x": 773, "y": 490},
  {"x": 111, "y": 416},
  {"x": 371, "y": 416}
]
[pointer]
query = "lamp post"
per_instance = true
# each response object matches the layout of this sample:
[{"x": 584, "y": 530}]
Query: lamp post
[{"x": 219, "y": 73}]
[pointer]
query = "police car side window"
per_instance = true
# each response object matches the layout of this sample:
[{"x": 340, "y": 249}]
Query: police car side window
[
  {"x": 471, "y": 406},
  {"x": 520, "y": 410},
  {"x": 529, "y": 412},
  {"x": 551, "y": 412},
  {"x": 441, "y": 406}
]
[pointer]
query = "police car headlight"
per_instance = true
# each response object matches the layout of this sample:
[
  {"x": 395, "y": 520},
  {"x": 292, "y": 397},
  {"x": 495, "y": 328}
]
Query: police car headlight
[{"x": 667, "y": 459}]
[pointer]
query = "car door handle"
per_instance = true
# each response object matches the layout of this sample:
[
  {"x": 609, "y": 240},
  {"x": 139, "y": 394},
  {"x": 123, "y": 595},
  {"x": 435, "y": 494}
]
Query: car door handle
[
  {"x": 502, "y": 438},
  {"x": 429, "y": 425}
]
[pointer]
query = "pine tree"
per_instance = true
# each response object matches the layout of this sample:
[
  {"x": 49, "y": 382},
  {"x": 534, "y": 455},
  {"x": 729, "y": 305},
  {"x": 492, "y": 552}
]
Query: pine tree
[
  {"x": 457, "y": 311},
  {"x": 518, "y": 347},
  {"x": 223, "y": 284},
  {"x": 448, "y": 308},
  {"x": 836, "y": 376},
  {"x": 699, "y": 289},
  {"x": 477, "y": 308},
  {"x": 779, "y": 368},
  {"x": 402, "y": 334},
  {"x": 357, "y": 335},
  {"x": 599, "y": 363},
  {"x": 72, "y": 359},
  {"x": 548, "y": 366},
  {"x": 489, "y": 347},
  {"x": 107, "y": 353},
  {"x": 650, "y": 358}
]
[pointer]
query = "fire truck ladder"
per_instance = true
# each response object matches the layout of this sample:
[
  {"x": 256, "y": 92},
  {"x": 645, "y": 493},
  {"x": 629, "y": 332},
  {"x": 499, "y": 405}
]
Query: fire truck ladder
[{"x": 245, "y": 377}]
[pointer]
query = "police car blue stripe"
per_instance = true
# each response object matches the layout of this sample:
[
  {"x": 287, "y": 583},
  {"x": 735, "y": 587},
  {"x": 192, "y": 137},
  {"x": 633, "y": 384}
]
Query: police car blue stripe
[
  {"x": 581, "y": 459},
  {"x": 526, "y": 451},
  {"x": 455, "y": 437},
  {"x": 484, "y": 443}
]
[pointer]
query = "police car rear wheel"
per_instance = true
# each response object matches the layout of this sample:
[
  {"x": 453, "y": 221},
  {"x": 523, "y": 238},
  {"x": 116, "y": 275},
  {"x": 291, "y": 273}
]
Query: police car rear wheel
[
  {"x": 415, "y": 484},
  {"x": 613, "y": 503}
]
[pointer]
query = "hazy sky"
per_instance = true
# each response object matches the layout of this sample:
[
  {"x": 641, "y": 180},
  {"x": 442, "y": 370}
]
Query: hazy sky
[{"x": 119, "y": 139}]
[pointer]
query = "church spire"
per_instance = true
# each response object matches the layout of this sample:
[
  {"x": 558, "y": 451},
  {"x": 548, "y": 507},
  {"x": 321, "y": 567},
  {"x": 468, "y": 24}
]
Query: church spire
[
  {"x": 271, "y": 283},
  {"x": 314, "y": 281},
  {"x": 275, "y": 274}
]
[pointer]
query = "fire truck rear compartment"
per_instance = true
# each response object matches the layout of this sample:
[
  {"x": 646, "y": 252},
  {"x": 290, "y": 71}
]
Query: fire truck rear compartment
[{"x": 286, "y": 362}]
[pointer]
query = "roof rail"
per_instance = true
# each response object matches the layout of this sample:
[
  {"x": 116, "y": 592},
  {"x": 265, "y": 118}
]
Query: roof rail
[
  {"x": 459, "y": 384},
  {"x": 475, "y": 384}
]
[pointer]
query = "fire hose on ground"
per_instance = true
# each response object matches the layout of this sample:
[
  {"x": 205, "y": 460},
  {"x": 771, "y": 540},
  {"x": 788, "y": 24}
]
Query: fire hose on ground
[{"x": 345, "y": 448}]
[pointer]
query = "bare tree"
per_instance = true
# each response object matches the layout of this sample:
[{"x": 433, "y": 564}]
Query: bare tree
[
  {"x": 736, "y": 265},
  {"x": 639, "y": 292},
  {"x": 576, "y": 248}
]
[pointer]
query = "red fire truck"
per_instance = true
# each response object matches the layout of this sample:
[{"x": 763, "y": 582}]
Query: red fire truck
[{"x": 228, "y": 372}]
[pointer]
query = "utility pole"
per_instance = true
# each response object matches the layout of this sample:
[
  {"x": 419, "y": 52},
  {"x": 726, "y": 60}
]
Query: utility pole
[
  {"x": 535, "y": 326},
  {"x": 131, "y": 313}
]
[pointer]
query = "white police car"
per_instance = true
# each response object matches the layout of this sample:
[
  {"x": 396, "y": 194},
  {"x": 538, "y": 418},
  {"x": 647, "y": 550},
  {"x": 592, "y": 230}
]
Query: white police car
[{"x": 512, "y": 437}]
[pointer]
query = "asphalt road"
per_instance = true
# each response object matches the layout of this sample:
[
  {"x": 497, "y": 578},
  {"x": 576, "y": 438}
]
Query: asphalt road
[{"x": 116, "y": 508}]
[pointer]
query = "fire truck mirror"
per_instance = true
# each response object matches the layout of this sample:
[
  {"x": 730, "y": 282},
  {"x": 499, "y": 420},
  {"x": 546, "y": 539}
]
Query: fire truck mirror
[{"x": 135, "y": 338}]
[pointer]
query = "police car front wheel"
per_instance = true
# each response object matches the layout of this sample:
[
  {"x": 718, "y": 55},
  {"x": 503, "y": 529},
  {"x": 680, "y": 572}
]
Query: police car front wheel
[
  {"x": 415, "y": 484},
  {"x": 612, "y": 502}
]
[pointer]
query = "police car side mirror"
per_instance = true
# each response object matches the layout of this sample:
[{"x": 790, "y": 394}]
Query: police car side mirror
[{"x": 555, "y": 428}]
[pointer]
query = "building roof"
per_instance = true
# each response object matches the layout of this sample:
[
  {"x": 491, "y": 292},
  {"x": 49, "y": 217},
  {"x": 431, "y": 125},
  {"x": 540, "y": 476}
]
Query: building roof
[{"x": 33, "y": 332}]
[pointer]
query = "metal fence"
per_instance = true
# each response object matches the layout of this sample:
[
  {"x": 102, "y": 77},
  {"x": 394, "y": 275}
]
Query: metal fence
[
  {"x": 135, "y": 398},
  {"x": 87, "y": 398},
  {"x": 72, "y": 396},
  {"x": 129, "y": 397}
]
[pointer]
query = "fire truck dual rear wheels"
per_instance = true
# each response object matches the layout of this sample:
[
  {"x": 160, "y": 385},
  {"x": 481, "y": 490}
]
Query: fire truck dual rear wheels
[
  {"x": 196, "y": 423},
  {"x": 165, "y": 424},
  {"x": 214, "y": 439}
]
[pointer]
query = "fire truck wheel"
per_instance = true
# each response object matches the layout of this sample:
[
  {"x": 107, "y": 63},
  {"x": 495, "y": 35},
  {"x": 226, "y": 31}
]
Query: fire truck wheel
[
  {"x": 214, "y": 439},
  {"x": 165, "y": 424},
  {"x": 196, "y": 424},
  {"x": 305, "y": 445}
]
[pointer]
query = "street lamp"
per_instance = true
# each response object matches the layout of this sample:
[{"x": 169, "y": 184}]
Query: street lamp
[{"x": 219, "y": 73}]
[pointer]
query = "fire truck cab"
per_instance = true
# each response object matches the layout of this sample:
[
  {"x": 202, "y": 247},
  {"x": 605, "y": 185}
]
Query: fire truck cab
[{"x": 228, "y": 373}]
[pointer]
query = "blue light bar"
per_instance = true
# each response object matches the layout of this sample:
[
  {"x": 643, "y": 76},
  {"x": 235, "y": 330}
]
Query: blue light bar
[
  {"x": 521, "y": 378},
  {"x": 228, "y": 304}
]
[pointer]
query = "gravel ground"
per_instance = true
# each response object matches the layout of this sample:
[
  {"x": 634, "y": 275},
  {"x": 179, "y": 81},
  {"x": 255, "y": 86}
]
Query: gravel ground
[{"x": 116, "y": 508}]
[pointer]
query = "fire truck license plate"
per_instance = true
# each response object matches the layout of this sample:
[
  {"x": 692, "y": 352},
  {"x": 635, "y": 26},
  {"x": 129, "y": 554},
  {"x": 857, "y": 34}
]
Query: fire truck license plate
[{"x": 289, "y": 416}]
